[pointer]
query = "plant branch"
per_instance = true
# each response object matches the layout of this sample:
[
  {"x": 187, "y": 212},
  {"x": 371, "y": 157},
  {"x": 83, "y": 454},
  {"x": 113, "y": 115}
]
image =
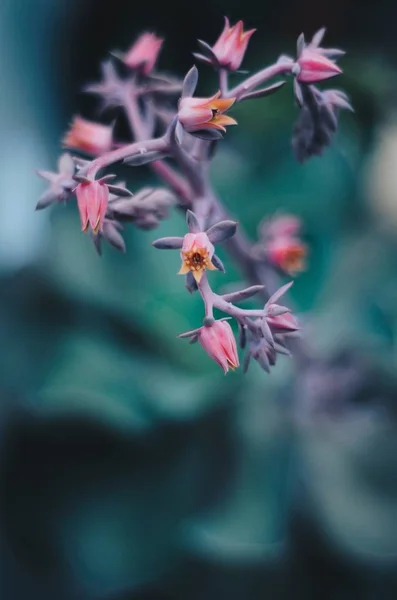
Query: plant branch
[
  {"x": 139, "y": 130},
  {"x": 279, "y": 68},
  {"x": 109, "y": 158}
]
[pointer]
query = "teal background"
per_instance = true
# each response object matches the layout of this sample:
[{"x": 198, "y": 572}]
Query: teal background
[{"x": 130, "y": 466}]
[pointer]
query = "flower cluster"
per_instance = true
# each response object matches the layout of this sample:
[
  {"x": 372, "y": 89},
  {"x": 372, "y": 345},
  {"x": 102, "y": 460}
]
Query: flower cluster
[
  {"x": 263, "y": 333},
  {"x": 190, "y": 127}
]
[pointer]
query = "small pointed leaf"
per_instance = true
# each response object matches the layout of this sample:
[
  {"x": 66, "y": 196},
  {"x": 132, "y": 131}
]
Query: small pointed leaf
[
  {"x": 242, "y": 335},
  {"x": 246, "y": 361},
  {"x": 208, "y": 134},
  {"x": 282, "y": 290},
  {"x": 300, "y": 44},
  {"x": 221, "y": 231},
  {"x": 267, "y": 334},
  {"x": 276, "y": 310},
  {"x": 168, "y": 243},
  {"x": 241, "y": 295},
  {"x": 144, "y": 158},
  {"x": 120, "y": 191},
  {"x": 190, "y": 283},
  {"x": 192, "y": 222},
  {"x": 206, "y": 48},
  {"x": 264, "y": 91},
  {"x": 190, "y": 83},
  {"x": 318, "y": 36},
  {"x": 216, "y": 261}
]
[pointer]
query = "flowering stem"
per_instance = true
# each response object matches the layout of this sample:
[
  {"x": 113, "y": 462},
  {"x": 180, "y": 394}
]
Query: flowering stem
[
  {"x": 140, "y": 131},
  {"x": 139, "y": 128},
  {"x": 154, "y": 145},
  {"x": 207, "y": 295},
  {"x": 223, "y": 82},
  {"x": 280, "y": 68}
]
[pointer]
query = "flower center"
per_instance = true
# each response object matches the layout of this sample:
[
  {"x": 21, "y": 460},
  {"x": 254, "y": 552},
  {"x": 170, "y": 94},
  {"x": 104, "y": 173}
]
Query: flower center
[
  {"x": 294, "y": 259},
  {"x": 197, "y": 259}
]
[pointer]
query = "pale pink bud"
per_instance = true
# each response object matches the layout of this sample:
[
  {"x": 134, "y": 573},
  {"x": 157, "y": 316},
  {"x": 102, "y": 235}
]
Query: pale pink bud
[
  {"x": 283, "y": 225},
  {"x": 219, "y": 343},
  {"x": 143, "y": 53},
  {"x": 88, "y": 136},
  {"x": 196, "y": 114},
  {"x": 283, "y": 323},
  {"x": 231, "y": 45},
  {"x": 196, "y": 254},
  {"x": 92, "y": 201},
  {"x": 314, "y": 67}
]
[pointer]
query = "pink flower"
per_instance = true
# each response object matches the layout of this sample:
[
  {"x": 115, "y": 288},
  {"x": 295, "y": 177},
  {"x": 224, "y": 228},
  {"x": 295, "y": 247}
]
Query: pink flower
[
  {"x": 231, "y": 45},
  {"x": 88, "y": 136},
  {"x": 314, "y": 66},
  {"x": 288, "y": 253},
  {"x": 196, "y": 253},
  {"x": 219, "y": 343},
  {"x": 92, "y": 201},
  {"x": 197, "y": 114},
  {"x": 143, "y": 53}
]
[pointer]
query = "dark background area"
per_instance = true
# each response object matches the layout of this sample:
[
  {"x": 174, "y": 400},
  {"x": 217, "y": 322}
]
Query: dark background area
[{"x": 130, "y": 467}]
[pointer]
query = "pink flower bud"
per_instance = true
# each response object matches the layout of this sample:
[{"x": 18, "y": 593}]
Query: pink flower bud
[
  {"x": 219, "y": 343},
  {"x": 197, "y": 114},
  {"x": 143, "y": 53},
  {"x": 231, "y": 45},
  {"x": 283, "y": 323},
  {"x": 92, "y": 201},
  {"x": 282, "y": 225},
  {"x": 196, "y": 253},
  {"x": 88, "y": 136},
  {"x": 314, "y": 67}
]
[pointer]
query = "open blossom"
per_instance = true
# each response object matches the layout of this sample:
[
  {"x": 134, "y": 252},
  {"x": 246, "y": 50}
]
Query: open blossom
[
  {"x": 218, "y": 341},
  {"x": 314, "y": 66},
  {"x": 231, "y": 45},
  {"x": 196, "y": 253},
  {"x": 92, "y": 201},
  {"x": 196, "y": 114},
  {"x": 88, "y": 136},
  {"x": 281, "y": 243},
  {"x": 143, "y": 53},
  {"x": 288, "y": 253}
]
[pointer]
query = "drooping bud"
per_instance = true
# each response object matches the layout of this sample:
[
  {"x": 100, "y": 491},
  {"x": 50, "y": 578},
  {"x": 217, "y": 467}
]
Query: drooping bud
[
  {"x": 218, "y": 341},
  {"x": 92, "y": 201}
]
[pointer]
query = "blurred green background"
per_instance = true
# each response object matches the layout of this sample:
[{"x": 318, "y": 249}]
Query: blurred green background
[{"x": 131, "y": 468}]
